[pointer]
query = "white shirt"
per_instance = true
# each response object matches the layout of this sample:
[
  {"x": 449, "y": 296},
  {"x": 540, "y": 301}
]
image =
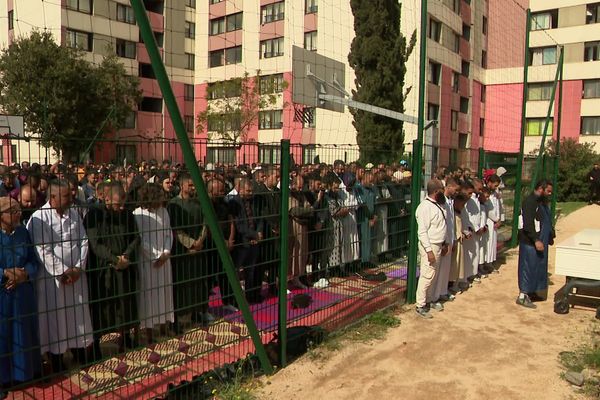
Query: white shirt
[
  {"x": 431, "y": 219},
  {"x": 472, "y": 214}
]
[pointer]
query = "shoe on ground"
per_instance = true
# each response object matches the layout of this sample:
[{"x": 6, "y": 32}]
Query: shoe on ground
[
  {"x": 423, "y": 312},
  {"x": 447, "y": 297},
  {"x": 477, "y": 280},
  {"x": 525, "y": 302},
  {"x": 437, "y": 306}
]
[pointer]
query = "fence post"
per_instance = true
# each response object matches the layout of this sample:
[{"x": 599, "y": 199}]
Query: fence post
[
  {"x": 190, "y": 160},
  {"x": 283, "y": 253},
  {"x": 519, "y": 183},
  {"x": 557, "y": 151},
  {"x": 481, "y": 163}
]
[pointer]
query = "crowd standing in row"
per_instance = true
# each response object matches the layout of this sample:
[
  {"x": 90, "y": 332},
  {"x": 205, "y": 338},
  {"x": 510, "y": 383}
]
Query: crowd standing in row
[{"x": 90, "y": 250}]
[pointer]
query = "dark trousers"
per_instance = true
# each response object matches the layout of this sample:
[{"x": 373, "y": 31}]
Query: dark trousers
[
  {"x": 595, "y": 191},
  {"x": 246, "y": 257}
]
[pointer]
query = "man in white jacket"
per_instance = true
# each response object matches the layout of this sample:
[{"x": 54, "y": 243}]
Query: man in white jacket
[{"x": 432, "y": 233}]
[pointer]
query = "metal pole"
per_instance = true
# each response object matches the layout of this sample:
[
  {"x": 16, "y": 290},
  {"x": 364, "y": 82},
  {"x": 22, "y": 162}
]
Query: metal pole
[
  {"x": 557, "y": 153},
  {"x": 481, "y": 163},
  {"x": 283, "y": 253},
  {"x": 519, "y": 174},
  {"x": 190, "y": 160},
  {"x": 411, "y": 283},
  {"x": 541, "y": 152}
]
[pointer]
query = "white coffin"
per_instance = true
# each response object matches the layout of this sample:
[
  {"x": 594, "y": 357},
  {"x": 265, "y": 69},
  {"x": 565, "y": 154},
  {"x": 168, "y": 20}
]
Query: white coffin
[{"x": 579, "y": 255}]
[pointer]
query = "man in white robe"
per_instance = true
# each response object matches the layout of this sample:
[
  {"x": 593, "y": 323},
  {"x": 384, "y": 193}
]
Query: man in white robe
[
  {"x": 472, "y": 220},
  {"x": 494, "y": 221},
  {"x": 61, "y": 245}
]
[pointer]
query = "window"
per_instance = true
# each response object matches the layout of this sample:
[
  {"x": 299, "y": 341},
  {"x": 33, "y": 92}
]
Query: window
[
  {"x": 222, "y": 155},
  {"x": 483, "y": 59},
  {"x": 151, "y": 104},
  {"x": 233, "y": 55},
  {"x": 233, "y": 22},
  {"x": 591, "y": 89},
  {"x": 271, "y": 119},
  {"x": 160, "y": 38},
  {"x": 484, "y": 26},
  {"x": 269, "y": 154},
  {"x": 483, "y": 93},
  {"x": 310, "y": 41},
  {"x": 539, "y": 91},
  {"x": 590, "y": 125},
  {"x": 80, "y": 40},
  {"x": 309, "y": 153},
  {"x": 217, "y": 26},
  {"x": 311, "y": 6},
  {"x": 544, "y": 20},
  {"x": 481, "y": 126},
  {"x": 130, "y": 119},
  {"x": 216, "y": 58},
  {"x": 271, "y": 84},
  {"x": 215, "y": 1},
  {"x": 542, "y": 56},
  {"x": 434, "y": 72},
  {"x": 188, "y": 121},
  {"x": 309, "y": 117},
  {"x": 592, "y": 51},
  {"x": 224, "y": 122},
  {"x": 225, "y": 89},
  {"x": 84, "y": 6},
  {"x": 272, "y": 12},
  {"x": 190, "y": 3},
  {"x": 455, "y": 42},
  {"x": 464, "y": 105},
  {"x": 271, "y": 48},
  {"x": 126, "y": 49},
  {"x": 433, "y": 111},
  {"x": 435, "y": 30},
  {"x": 465, "y": 68},
  {"x": 463, "y": 140},
  {"x": 190, "y": 62},
  {"x": 535, "y": 126},
  {"x": 11, "y": 20},
  {"x": 125, "y": 14},
  {"x": 188, "y": 92},
  {"x": 455, "y": 81},
  {"x": 453, "y": 120},
  {"x": 190, "y": 30},
  {"x": 593, "y": 13},
  {"x": 456, "y": 6},
  {"x": 466, "y": 32},
  {"x": 146, "y": 71}
]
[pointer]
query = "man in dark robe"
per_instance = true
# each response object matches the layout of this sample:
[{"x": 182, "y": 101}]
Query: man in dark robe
[
  {"x": 536, "y": 233},
  {"x": 269, "y": 246},
  {"x": 112, "y": 271},
  {"x": 594, "y": 179},
  {"x": 189, "y": 262}
]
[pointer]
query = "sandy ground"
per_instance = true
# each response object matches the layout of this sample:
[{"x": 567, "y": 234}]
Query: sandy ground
[{"x": 483, "y": 346}]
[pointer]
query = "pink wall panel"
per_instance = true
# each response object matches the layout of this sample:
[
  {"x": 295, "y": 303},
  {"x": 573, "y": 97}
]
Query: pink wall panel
[
  {"x": 503, "y": 117},
  {"x": 156, "y": 21},
  {"x": 217, "y": 10},
  {"x": 571, "y": 110},
  {"x": 310, "y": 22},
  {"x": 150, "y": 87},
  {"x": 224, "y": 40},
  {"x": 272, "y": 30},
  {"x": 506, "y": 33}
]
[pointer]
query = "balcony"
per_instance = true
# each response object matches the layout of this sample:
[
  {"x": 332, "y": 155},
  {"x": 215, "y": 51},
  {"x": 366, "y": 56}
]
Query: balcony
[
  {"x": 156, "y": 21},
  {"x": 150, "y": 87},
  {"x": 464, "y": 49},
  {"x": 465, "y": 12}
]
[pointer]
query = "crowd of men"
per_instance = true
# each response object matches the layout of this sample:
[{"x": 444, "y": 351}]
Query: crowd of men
[
  {"x": 458, "y": 237},
  {"x": 96, "y": 249}
]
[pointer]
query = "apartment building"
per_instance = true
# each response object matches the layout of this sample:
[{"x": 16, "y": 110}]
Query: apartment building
[
  {"x": 455, "y": 92},
  {"x": 571, "y": 24}
]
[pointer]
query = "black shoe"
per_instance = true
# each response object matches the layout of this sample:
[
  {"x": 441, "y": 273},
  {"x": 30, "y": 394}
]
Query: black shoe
[{"x": 525, "y": 302}]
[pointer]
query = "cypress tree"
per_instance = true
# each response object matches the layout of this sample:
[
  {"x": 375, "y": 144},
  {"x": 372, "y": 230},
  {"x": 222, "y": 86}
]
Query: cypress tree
[{"x": 378, "y": 55}]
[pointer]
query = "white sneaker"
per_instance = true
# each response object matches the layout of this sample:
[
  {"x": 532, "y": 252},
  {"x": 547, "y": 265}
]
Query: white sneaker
[
  {"x": 321, "y": 283},
  {"x": 437, "y": 306}
]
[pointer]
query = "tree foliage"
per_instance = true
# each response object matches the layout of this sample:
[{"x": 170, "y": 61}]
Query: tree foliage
[
  {"x": 378, "y": 55},
  {"x": 64, "y": 99},
  {"x": 576, "y": 161},
  {"x": 233, "y": 107}
]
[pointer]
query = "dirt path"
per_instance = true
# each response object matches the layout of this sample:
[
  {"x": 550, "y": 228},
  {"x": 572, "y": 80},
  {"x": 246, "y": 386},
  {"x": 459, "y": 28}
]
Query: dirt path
[{"x": 483, "y": 346}]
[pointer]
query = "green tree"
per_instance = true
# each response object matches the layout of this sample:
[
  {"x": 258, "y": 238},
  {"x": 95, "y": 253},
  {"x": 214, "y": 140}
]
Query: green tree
[
  {"x": 576, "y": 161},
  {"x": 378, "y": 55},
  {"x": 233, "y": 107},
  {"x": 64, "y": 99}
]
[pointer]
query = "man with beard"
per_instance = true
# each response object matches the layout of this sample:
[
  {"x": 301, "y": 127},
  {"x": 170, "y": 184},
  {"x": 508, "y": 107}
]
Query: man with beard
[
  {"x": 27, "y": 200},
  {"x": 269, "y": 246},
  {"x": 190, "y": 272},
  {"x": 432, "y": 233},
  {"x": 216, "y": 192},
  {"x": 474, "y": 223},
  {"x": 536, "y": 233},
  {"x": 113, "y": 271}
]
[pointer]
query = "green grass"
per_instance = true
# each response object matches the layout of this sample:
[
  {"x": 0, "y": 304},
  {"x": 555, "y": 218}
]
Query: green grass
[
  {"x": 374, "y": 327},
  {"x": 586, "y": 355},
  {"x": 568, "y": 207}
]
